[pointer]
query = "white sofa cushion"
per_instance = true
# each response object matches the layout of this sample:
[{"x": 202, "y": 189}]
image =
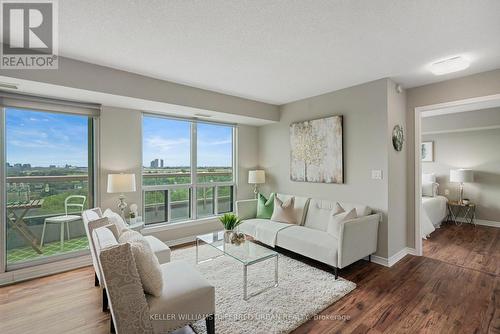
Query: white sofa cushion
[
  {"x": 249, "y": 226},
  {"x": 264, "y": 230},
  {"x": 185, "y": 294},
  {"x": 361, "y": 209},
  {"x": 300, "y": 206},
  {"x": 161, "y": 250},
  {"x": 319, "y": 212},
  {"x": 309, "y": 242},
  {"x": 337, "y": 219}
]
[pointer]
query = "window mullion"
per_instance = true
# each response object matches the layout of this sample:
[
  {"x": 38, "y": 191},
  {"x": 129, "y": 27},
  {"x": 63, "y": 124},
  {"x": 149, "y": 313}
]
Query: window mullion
[{"x": 194, "y": 164}]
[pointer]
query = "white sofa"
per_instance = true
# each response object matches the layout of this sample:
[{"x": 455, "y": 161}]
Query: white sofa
[
  {"x": 186, "y": 296},
  {"x": 357, "y": 237}
]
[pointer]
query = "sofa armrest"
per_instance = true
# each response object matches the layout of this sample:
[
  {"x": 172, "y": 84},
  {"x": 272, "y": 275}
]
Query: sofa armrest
[
  {"x": 246, "y": 209},
  {"x": 357, "y": 238}
]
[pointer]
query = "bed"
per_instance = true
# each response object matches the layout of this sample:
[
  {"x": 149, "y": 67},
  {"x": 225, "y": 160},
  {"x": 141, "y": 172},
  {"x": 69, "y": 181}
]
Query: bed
[
  {"x": 433, "y": 210},
  {"x": 432, "y": 214}
]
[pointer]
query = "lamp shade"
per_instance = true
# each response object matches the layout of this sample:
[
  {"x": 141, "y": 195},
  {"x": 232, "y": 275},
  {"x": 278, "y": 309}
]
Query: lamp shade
[
  {"x": 256, "y": 176},
  {"x": 121, "y": 183},
  {"x": 461, "y": 175}
]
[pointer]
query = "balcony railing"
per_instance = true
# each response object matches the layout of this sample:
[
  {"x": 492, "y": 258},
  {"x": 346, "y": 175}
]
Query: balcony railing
[
  {"x": 53, "y": 190},
  {"x": 171, "y": 202}
]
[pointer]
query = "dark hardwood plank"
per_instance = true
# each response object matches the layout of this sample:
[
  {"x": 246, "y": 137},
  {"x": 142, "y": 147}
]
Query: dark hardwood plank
[{"x": 454, "y": 288}]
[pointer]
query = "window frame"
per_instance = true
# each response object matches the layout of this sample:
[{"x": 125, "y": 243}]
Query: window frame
[
  {"x": 93, "y": 179},
  {"x": 194, "y": 184}
]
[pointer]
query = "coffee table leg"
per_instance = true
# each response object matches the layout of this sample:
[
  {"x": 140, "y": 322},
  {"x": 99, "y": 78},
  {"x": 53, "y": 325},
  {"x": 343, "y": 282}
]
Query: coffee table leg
[
  {"x": 245, "y": 282},
  {"x": 247, "y": 296},
  {"x": 197, "y": 245},
  {"x": 276, "y": 272}
]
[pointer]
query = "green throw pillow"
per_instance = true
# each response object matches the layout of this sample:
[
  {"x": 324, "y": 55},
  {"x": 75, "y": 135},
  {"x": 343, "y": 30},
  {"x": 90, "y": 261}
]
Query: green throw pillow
[{"x": 265, "y": 206}]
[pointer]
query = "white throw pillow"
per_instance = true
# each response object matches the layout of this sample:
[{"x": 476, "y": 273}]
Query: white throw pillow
[
  {"x": 116, "y": 219},
  {"x": 283, "y": 212},
  {"x": 338, "y": 209},
  {"x": 430, "y": 189},
  {"x": 336, "y": 219},
  {"x": 146, "y": 262},
  {"x": 428, "y": 177}
]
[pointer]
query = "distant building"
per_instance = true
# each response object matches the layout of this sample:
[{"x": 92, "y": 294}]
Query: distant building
[
  {"x": 155, "y": 163},
  {"x": 27, "y": 166},
  {"x": 52, "y": 166},
  {"x": 161, "y": 163}
]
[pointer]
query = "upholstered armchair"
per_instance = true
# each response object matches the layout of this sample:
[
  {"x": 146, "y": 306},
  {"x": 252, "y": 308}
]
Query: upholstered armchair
[{"x": 186, "y": 297}]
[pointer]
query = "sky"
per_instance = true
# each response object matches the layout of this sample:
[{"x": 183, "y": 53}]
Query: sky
[
  {"x": 43, "y": 139},
  {"x": 170, "y": 140}
]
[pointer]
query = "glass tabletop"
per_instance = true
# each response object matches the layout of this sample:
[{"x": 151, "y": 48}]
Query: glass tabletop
[{"x": 247, "y": 252}]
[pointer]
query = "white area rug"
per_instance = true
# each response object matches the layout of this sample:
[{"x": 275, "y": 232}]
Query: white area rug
[{"x": 303, "y": 292}]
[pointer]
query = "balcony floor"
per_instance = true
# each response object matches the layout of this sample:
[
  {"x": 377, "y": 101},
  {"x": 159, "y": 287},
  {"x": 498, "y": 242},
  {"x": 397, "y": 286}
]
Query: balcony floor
[{"x": 27, "y": 253}]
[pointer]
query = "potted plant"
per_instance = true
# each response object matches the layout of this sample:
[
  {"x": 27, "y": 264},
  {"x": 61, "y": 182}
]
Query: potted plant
[{"x": 230, "y": 221}]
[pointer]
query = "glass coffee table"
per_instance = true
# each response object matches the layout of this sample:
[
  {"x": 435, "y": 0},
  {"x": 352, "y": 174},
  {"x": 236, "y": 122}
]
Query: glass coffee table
[{"x": 248, "y": 253}]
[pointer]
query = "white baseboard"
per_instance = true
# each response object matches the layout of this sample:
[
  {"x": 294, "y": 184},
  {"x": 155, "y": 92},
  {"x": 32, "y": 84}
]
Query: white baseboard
[
  {"x": 44, "y": 269},
  {"x": 490, "y": 223},
  {"x": 389, "y": 262}
]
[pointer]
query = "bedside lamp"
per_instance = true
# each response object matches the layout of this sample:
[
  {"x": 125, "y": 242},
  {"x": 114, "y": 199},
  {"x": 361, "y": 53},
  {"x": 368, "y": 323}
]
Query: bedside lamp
[
  {"x": 121, "y": 183},
  {"x": 256, "y": 177},
  {"x": 461, "y": 176}
]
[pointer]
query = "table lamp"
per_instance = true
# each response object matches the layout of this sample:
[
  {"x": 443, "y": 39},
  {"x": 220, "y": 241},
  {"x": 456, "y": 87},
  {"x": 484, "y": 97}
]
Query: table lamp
[
  {"x": 256, "y": 177},
  {"x": 121, "y": 183},
  {"x": 461, "y": 176}
]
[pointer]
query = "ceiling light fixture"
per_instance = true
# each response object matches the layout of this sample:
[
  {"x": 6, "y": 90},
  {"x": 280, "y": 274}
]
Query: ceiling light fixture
[
  {"x": 8, "y": 85},
  {"x": 449, "y": 65}
]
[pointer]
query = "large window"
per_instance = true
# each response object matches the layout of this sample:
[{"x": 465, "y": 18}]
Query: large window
[
  {"x": 48, "y": 171},
  {"x": 187, "y": 169}
]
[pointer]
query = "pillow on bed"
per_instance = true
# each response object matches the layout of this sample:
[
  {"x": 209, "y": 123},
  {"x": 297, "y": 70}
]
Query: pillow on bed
[
  {"x": 430, "y": 189},
  {"x": 428, "y": 177}
]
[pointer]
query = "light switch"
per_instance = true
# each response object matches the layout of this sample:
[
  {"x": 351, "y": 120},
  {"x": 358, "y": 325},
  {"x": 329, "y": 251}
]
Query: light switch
[
  {"x": 376, "y": 174},
  {"x": 447, "y": 192}
]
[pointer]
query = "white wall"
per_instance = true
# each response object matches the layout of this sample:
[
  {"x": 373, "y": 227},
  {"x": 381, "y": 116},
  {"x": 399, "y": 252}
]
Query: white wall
[
  {"x": 364, "y": 109},
  {"x": 477, "y": 150},
  {"x": 397, "y": 212},
  {"x": 120, "y": 150}
]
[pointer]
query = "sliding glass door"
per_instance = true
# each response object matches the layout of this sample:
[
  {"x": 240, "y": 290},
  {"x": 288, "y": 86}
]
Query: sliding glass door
[{"x": 49, "y": 180}]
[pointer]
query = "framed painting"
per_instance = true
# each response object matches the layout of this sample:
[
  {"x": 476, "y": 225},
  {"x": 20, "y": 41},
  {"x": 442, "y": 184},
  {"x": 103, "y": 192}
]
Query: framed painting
[
  {"x": 427, "y": 150},
  {"x": 317, "y": 151}
]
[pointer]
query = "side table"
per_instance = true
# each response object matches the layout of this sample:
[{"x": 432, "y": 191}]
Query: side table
[{"x": 457, "y": 210}]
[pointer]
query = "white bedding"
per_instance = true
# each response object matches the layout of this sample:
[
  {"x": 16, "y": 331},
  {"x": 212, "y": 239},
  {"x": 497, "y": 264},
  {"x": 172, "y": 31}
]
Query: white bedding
[{"x": 432, "y": 214}]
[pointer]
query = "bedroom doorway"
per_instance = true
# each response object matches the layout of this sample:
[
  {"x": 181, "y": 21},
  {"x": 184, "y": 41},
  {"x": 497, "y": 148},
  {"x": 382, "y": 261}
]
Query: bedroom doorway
[{"x": 445, "y": 166}]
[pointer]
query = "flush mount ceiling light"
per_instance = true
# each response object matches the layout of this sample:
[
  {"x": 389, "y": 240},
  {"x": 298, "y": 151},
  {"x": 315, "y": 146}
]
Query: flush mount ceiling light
[
  {"x": 449, "y": 65},
  {"x": 8, "y": 85}
]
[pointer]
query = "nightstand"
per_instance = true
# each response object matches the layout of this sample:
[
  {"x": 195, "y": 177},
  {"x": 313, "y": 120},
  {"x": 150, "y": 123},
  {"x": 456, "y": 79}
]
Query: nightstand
[{"x": 457, "y": 210}]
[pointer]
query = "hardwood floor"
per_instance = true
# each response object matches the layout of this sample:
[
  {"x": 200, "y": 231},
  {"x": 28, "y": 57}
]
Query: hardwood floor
[{"x": 455, "y": 288}]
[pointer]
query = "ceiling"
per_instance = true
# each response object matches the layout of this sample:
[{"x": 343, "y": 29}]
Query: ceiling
[{"x": 281, "y": 50}]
